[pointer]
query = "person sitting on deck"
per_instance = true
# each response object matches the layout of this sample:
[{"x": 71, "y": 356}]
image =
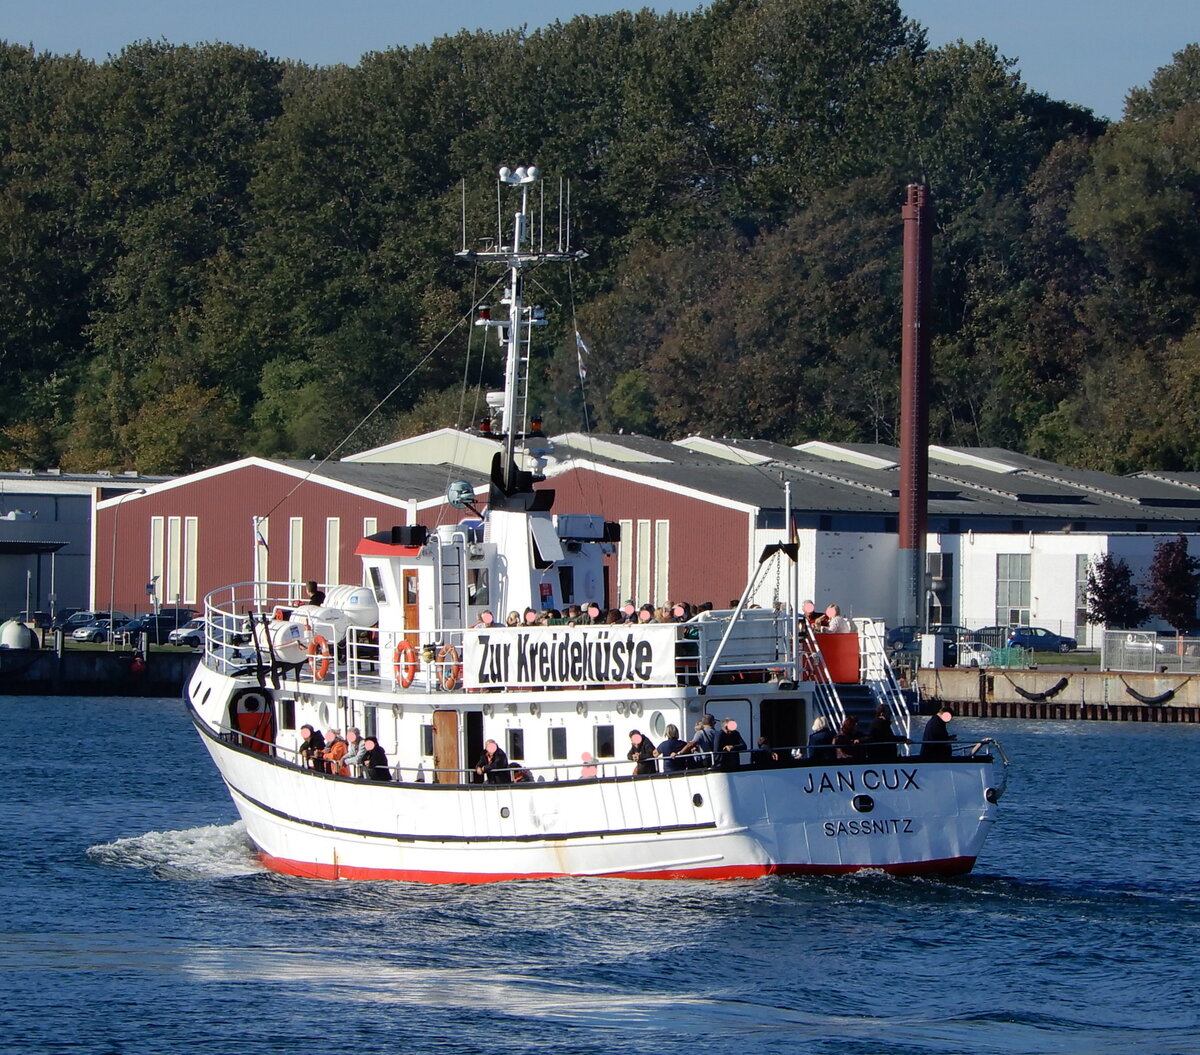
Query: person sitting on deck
[
  {"x": 849, "y": 741},
  {"x": 838, "y": 623},
  {"x": 820, "y": 742},
  {"x": 936, "y": 738},
  {"x": 493, "y": 765},
  {"x": 375, "y": 764},
  {"x": 762, "y": 757},
  {"x": 312, "y": 594},
  {"x": 881, "y": 740}
]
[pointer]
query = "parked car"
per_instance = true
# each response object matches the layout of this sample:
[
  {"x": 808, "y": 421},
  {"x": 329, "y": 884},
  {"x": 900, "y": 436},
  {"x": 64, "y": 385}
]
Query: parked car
[
  {"x": 901, "y": 637},
  {"x": 59, "y": 621},
  {"x": 974, "y": 654},
  {"x": 99, "y": 631},
  {"x": 904, "y": 639},
  {"x": 993, "y": 636},
  {"x": 79, "y": 619},
  {"x": 41, "y": 620},
  {"x": 1142, "y": 641},
  {"x": 190, "y": 634},
  {"x": 157, "y": 628},
  {"x": 1039, "y": 639}
]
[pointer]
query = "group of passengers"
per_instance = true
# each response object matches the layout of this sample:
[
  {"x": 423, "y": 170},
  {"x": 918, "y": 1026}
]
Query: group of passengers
[
  {"x": 878, "y": 742},
  {"x": 592, "y": 614},
  {"x": 353, "y": 755},
  {"x": 707, "y": 747},
  {"x": 829, "y": 621}
]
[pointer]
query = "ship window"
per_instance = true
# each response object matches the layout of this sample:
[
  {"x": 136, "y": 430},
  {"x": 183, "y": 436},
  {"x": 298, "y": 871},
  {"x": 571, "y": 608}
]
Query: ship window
[
  {"x": 427, "y": 741},
  {"x": 477, "y": 587},
  {"x": 287, "y": 714},
  {"x": 558, "y": 743},
  {"x": 377, "y": 584},
  {"x": 516, "y": 745},
  {"x": 566, "y": 583},
  {"x": 658, "y": 725},
  {"x": 369, "y": 722},
  {"x": 604, "y": 741}
]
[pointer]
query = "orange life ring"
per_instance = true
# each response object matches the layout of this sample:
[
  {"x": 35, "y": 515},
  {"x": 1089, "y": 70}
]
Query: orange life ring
[
  {"x": 404, "y": 663},
  {"x": 318, "y": 658},
  {"x": 451, "y": 667}
]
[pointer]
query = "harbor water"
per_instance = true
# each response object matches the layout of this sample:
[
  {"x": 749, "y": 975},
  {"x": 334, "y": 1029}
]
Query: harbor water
[{"x": 135, "y": 919}]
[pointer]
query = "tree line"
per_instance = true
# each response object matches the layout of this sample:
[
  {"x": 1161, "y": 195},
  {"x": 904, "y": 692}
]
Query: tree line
[{"x": 211, "y": 252}]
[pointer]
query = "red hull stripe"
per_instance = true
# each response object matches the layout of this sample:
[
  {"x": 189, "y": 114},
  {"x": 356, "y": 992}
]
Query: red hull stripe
[{"x": 946, "y": 867}]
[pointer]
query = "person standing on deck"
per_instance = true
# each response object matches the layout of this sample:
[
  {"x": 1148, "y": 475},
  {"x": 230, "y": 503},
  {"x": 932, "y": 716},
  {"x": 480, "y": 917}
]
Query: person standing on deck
[{"x": 936, "y": 738}]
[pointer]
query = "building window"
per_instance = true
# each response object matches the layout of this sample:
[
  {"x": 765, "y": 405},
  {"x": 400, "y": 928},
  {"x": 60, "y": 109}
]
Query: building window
[
  {"x": 333, "y": 550},
  {"x": 625, "y": 562},
  {"x": 158, "y": 534},
  {"x": 558, "y": 743},
  {"x": 296, "y": 550},
  {"x": 604, "y": 741},
  {"x": 643, "y": 590},
  {"x": 191, "y": 557},
  {"x": 1012, "y": 589},
  {"x": 662, "y": 562},
  {"x": 369, "y": 527},
  {"x": 516, "y": 745}
]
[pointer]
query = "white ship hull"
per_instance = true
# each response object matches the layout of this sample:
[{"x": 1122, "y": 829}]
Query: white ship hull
[{"x": 923, "y": 819}]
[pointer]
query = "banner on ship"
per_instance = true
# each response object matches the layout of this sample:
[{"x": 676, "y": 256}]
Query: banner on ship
[{"x": 620, "y": 654}]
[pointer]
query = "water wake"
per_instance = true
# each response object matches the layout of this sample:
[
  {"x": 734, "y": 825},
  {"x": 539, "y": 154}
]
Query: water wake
[{"x": 212, "y": 851}]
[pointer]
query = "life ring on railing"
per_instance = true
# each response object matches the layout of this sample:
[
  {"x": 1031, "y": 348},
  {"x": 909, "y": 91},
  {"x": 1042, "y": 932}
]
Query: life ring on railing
[
  {"x": 451, "y": 666},
  {"x": 404, "y": 663},
  {"x": 318, "y": 658}
]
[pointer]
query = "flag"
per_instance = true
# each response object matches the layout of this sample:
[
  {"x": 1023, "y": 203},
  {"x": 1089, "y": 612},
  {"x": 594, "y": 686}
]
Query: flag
[
  {"x": 260, "y": 541},
  {"x": 580, "y": 349}
]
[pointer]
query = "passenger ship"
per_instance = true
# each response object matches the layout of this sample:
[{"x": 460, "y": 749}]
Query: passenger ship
[{"x": 405, "y": 659}]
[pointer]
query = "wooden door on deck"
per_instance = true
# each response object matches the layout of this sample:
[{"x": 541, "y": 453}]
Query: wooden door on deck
[
  {"x": 445, "y": 747},
  {"x": 412, "y": 608}
]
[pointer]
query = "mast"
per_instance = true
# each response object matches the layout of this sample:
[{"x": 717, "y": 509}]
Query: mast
[{"x": 516, "y": 329}]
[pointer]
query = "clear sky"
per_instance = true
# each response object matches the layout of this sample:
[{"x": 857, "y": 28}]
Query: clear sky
[{"x": 1089, "y": 52}]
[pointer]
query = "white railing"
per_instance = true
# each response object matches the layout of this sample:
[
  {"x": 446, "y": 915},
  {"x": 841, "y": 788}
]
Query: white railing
[{"x": 875, "y": 670}]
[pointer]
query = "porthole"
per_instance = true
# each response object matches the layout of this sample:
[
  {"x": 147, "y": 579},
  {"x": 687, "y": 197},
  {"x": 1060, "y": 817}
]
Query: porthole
[
  {"x": 863, "y": 803},
  {"x": 697, "y": 800},
  {"x": 504, "y": 811},
  {"x": 324, "y": 712},
  {"x": 992, "y": 795},
  {"x": 658, "y": 725}
]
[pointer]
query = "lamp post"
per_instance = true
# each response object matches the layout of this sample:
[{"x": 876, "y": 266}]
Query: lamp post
[{"x": 112, "y": 581}]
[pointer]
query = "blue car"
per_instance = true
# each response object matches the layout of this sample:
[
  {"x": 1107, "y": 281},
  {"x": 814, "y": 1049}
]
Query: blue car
[{"x": 1039, "y": 639}]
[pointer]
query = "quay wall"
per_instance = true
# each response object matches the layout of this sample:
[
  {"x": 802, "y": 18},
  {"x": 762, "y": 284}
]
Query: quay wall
[
  {"x": 44, "y": 672},
  {"x": 1064, "y": 694}
]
